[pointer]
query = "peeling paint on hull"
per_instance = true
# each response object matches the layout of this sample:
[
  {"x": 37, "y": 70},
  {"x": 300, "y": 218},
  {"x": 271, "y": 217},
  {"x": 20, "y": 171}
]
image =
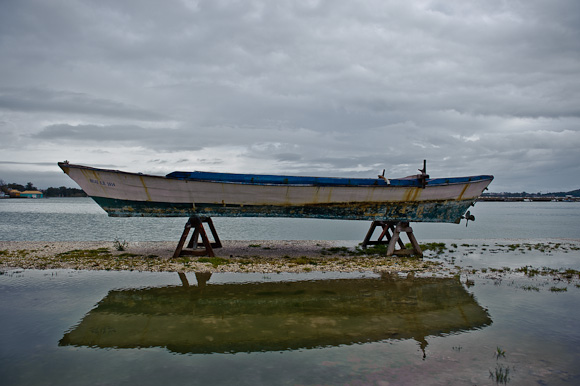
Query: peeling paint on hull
[
  {"x": 123, "y": 194},
  {"x": 447, "y": 211}
]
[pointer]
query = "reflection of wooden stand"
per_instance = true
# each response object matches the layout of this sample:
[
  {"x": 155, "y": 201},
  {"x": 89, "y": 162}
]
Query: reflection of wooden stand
[
  {"x": 202, "y": 279},
  {"x": 392, "y": 231},
  {"x": 192, "y": 249}
]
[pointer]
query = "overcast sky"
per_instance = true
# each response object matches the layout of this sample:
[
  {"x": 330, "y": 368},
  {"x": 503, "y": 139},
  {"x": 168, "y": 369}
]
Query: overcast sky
[{"x": 326, "y": 88}]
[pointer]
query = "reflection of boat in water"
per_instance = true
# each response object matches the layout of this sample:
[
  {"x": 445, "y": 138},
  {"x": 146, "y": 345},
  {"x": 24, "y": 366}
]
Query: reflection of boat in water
[{"x": 274, "y": 316}]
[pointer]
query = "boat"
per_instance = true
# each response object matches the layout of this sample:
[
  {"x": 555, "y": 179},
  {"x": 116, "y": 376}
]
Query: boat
[
  {"x": 274, "y": 316},
  {"x": 416, "y": 198}
]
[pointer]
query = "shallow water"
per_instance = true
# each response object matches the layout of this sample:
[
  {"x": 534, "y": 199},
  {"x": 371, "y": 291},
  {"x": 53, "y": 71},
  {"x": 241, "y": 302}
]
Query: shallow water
[
  {"x": 81, "y": 219},
  {"x": 86, "y": 328}
]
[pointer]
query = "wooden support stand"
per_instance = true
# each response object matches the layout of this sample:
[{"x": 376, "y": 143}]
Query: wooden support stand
[
  {"x": 392, "y": 231},
  {"x": 192, "y": 249}
]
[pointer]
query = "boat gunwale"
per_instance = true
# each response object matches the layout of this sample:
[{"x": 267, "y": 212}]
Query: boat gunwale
[{"x": 431, "y": 182}]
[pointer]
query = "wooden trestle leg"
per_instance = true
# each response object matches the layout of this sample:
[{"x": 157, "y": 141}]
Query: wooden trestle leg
[
  {"x": 392, "y": 232},
  {"x": 192, "y": 249}
]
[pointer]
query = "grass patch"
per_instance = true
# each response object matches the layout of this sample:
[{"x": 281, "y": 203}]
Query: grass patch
[
  {"x": 304, "y": 260},
  {"x": 335, "y": 251},
  {"x": 528, "y": 271},
  {"x": 570, "y": 273},
  {"x": 438, "y": 248},
  {"x": 513, "y": 247},
  {"x": 85, "y": 253},
  {"x": 18, "y": 253},
  {"x": 566, "y": 274},
  {"x": 499, "y": 353},
  {"x": 120, "y": 245},
  {"x": 500, "y": 375},
  {"x": 214, "y": 261},
  {"x": 375, "y": 250},
  {"x": 128, "y": 255},
  {"x": 530, "y": 288},
  {"x": 381, "y": 249}
]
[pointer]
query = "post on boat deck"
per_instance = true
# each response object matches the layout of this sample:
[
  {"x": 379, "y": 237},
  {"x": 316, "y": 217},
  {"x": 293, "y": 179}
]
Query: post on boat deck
[
  {"x": 392, "y": 231},
  {"x": 192, "y": 249}
]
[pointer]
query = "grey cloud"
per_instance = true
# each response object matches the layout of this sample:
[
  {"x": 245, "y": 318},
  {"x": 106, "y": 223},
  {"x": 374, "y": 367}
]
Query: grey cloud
[
  {"x": 288, "y": 157},
  {"x": 58, "y": 101},
  {"x": 162, "y": 139},
  {"x": 92, "y": 133},
  {"x": 26, "y": 163}
]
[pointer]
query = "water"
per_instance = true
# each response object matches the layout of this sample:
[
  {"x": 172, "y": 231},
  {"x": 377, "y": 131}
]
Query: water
[
  {"x": 66, "y": 327},
  {"x": 124, "y": 328},
  {"x": 80, "y": 219}
]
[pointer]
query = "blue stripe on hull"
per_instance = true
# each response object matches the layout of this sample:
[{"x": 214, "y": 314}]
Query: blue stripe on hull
[
  {"x": 449, "y": 211},
  {"x": 265, "y": 179}
]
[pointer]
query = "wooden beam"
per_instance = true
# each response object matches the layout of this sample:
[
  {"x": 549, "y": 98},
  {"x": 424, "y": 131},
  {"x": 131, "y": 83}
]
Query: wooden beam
[
  {"x": 192, "y": 248},
  {"x": 391, "y": 230}
]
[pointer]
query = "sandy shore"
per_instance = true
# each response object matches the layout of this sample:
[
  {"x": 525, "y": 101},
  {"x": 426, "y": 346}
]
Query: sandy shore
[
  {"x": 494, "y": 257},
  {"x": 235, "y": 256}
]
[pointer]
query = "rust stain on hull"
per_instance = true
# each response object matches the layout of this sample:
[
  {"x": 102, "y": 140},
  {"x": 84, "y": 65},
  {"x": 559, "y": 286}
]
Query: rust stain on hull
[
  {"x": 460, "y": 197},
  {"x": 412, "y": 194},
  {"x": 145, "y": 188}
]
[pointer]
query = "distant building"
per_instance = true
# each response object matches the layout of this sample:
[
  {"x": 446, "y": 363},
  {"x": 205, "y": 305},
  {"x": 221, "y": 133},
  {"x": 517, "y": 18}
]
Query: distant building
[
  {"x": 3, "y": 195},
  {"x": 13, "y": 193},
  {"x": 31, "y": 194}
]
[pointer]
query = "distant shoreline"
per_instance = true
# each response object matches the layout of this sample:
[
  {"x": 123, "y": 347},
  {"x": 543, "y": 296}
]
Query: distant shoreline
[{"x": 527, "y": 199}]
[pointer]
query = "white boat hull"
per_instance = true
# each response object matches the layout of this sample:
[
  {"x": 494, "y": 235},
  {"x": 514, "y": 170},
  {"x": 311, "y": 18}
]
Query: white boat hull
[{"x": 130, "y": 194}]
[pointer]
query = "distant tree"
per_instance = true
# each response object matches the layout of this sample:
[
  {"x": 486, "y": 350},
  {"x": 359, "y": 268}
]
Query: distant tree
[
  {"x": 16, "y": 186},
  {"x": 51, "y": 192},
  {"x": 30, "y": 186},
  {"x": 74, "y": 192},
  {"x": 63, "y": 191}
]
